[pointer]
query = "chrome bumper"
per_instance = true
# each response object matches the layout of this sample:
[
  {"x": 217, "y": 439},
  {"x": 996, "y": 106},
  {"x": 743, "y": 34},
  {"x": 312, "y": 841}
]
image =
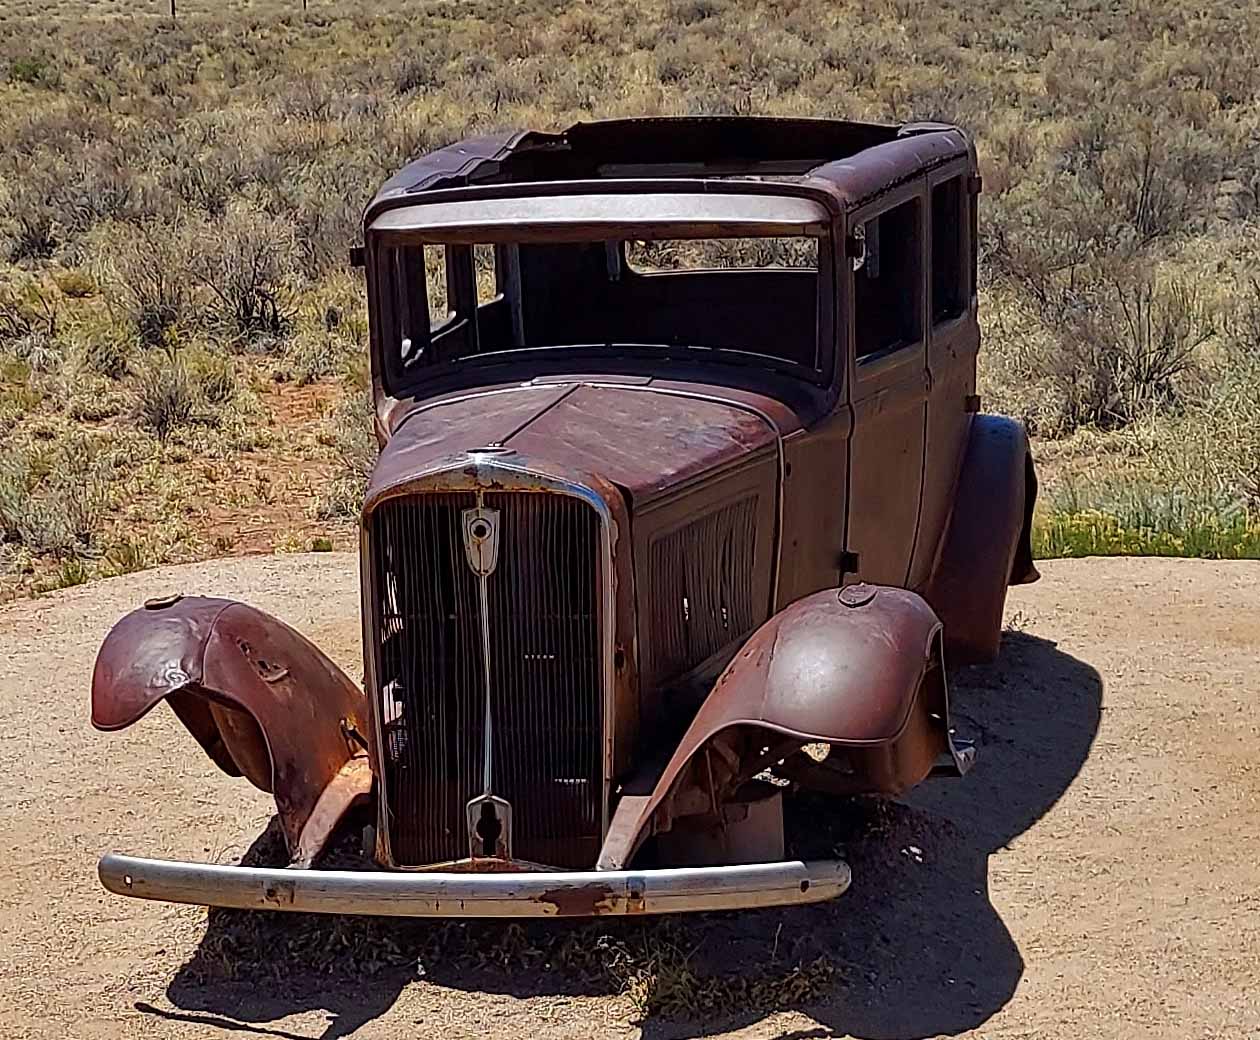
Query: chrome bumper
[{"x": 570, "y": 893}]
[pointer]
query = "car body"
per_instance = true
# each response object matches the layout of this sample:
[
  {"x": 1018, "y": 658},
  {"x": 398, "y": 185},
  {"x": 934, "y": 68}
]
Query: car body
[{"x": 684, "y": 498}]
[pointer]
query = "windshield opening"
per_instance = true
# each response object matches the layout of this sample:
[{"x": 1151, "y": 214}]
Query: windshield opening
[{"x": 741, "y": 300}]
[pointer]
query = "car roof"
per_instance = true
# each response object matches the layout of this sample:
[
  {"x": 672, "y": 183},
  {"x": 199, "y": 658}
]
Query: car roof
[{"x": 851, "y": 161}]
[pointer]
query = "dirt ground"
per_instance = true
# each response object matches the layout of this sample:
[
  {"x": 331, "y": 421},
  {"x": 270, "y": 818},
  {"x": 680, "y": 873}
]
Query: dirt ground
[{"x": 1096, "y": 874}]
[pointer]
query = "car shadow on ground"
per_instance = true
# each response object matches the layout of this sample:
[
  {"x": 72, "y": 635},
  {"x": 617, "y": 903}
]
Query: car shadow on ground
[{"x": 914, "y": 949}]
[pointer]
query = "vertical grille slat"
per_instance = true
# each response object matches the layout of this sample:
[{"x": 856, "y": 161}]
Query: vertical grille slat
[{"x": 546, "y": 674}]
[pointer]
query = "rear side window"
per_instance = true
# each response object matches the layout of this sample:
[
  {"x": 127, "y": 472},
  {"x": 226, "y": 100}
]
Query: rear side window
[
  {"x": 722, "y": 254},
  {"x": 887, "y": 299},
  {"x": 951, "y": 256}
]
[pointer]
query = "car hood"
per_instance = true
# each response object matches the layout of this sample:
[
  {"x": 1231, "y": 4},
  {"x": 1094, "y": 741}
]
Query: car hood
[{"x": 646, "y": 437}]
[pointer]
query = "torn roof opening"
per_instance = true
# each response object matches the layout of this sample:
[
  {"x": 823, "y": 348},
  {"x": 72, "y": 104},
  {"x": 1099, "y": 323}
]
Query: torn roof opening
[{"x": 766, "y": 149}]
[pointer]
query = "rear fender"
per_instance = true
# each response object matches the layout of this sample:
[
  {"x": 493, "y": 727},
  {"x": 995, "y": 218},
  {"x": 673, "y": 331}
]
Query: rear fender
[
  {"x": 988, "y": 544},
  {"x": 859, "y": 669},
  {"x": 261, "y": 700}
]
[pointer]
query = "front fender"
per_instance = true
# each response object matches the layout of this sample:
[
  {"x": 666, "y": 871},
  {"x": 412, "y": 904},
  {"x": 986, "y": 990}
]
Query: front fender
[
  {"x": 858, "y": 668},
  {"x": 261, "y": 700}
]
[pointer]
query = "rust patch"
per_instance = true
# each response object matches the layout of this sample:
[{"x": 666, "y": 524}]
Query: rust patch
[
  {"x": 583, "y": 901},
  {"x": 280, "y": 893}
]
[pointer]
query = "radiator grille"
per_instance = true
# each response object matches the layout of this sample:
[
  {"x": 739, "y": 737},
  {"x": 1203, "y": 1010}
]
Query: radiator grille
[
  {"x": 546, "y": 674},
  {"x": 700, "y": 585}
]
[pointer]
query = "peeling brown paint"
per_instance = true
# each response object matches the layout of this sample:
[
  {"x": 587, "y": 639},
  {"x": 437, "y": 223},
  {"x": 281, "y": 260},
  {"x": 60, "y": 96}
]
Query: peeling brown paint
[{"x": 579, "y": 901}]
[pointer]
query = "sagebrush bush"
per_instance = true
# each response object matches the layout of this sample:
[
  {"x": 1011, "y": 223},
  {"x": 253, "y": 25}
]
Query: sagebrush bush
[
  {"x": 53, "y": 500},
  {"x": 77, "y": 285},
  {"x": 214, "y": 378},
  {"x": 1123, "y": 344},
  {"x": 27, "y": 312},
  {"x": 166, "y": 394},
  {"x": 245, "y": 264},
  {"x": 107, "y": 352},
  {"x": 352, "y": 438},
  {"x": 149, "y": 277}
]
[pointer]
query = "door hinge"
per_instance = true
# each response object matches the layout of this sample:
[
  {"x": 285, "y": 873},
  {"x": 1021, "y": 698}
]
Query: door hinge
[
  {"x": 358, "y": 257},
  {"x": 971, "y": 403},
  {"x": 848, "y": 563}
]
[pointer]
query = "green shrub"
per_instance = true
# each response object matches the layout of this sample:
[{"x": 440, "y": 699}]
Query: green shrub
[
  {"x": 126, "y": 557},
  {"x": 149, "y": 277},
  {"x": 53, "y": 500},
  {"x": 350, "y": 435},
  {"x": 1095, "y": 532},
  {"x": 31, "y": 69},
  {"x": 215, "y": 377},
  {"x": 69, "y": 573},
  {"x": 27, "y": 313},
  {"x": 108, "y": 353},
  {"x": 166, "y": 395},
  {"x": 246, "y": 263}
]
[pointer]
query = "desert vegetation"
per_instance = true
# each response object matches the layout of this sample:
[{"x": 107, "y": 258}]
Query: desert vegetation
[{"x": 182, "y": 346}]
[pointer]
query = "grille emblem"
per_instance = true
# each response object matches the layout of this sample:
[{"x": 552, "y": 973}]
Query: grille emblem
[
  {"x": 481, "y": 539},
  {"x": 489, "y": 828}
]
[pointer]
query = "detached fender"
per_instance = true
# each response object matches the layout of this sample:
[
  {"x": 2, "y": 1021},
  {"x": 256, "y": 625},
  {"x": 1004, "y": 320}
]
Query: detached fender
[
  {"x": 988, "y": 544},
  {"x": 261, "y": 699},
  {"x": 858, "y": 668}
]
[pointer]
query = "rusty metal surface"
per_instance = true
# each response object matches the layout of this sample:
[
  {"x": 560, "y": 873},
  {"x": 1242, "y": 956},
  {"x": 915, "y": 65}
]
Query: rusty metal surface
[
  {"x": 853, "y": 162},
  {"x": 500, "y": 472},
  {"x": 351, "y": 786},
  {"x": 986, "y": 546},
  {"x": 842, "y": 667},
  {"x": 868, "y": 469},
  {"x": 645, "y": 442},
  {"x": 258, "y": 696},
  {"x": 533, "y": 691},
  {"x": 533, "y": 894}
]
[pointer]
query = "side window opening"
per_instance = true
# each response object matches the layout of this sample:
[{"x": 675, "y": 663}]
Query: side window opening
[
  {"x": 951, "y": 257},
  {"x": 434, "y": 297},
  {"x": 486, "y": 270},
  {"x": 435, "y": 279},
  {"x": 722, "y": 254},
  {"x": 887, "y": 297}
]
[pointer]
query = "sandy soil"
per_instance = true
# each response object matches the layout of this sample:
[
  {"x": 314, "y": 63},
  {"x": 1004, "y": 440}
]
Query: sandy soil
[{"x": 1096, "y": 874}]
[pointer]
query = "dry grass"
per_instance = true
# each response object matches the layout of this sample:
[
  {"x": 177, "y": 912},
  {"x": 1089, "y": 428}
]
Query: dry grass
[{"x": 171, "y": 193}]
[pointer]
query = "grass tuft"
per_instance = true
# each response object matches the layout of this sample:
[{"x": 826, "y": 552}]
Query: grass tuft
[{"x": 166, "y": 394}]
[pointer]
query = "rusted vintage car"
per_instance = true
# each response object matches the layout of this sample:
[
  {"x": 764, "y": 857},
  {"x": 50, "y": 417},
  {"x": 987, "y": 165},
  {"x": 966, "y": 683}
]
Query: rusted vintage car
[{"x": 684, "y": 499}]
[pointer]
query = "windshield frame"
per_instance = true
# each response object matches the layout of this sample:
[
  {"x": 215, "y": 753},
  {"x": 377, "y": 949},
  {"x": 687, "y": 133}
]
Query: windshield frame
[{"x": 590, "y": 218}]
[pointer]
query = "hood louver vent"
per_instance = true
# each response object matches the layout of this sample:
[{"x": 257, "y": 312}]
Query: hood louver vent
[{"x": 700, "y": 595}]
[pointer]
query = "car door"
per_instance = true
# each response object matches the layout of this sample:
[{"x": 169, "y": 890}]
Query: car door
[
  {"x": 953, "y": 339},
  {"x": 886, "y": 290}
]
